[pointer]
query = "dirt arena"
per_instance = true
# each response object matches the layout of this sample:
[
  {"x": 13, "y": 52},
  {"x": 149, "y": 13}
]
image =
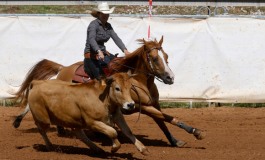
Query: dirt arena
[{"x": 232, "y": 134}]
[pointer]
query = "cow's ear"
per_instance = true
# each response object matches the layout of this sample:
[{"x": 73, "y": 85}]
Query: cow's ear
[
  {"x": 129, "y": 72},
  {"x": 109, "y": 80}
]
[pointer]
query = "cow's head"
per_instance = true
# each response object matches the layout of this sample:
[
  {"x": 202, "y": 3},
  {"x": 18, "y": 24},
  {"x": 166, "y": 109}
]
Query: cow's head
[{"x": 119, "y": 90}]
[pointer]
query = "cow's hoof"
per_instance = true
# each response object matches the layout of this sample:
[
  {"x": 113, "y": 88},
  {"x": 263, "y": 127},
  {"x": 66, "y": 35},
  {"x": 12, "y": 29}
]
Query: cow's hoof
[
  {"x": 145, "y": 152},
  {"x": 199, "y": 134},
  {"x": 115, "y": 148}
]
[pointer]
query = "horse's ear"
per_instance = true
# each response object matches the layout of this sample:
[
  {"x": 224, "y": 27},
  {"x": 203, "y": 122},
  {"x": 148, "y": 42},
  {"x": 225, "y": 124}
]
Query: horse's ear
[
  {"x": 109, "y": 80},
  {"x": 143, "y": 40},
  {"x": 161, "y": 40}
]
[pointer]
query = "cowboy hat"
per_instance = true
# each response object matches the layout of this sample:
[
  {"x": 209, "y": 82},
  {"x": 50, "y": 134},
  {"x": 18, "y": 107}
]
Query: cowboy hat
[{"x": 104, "y": 8}]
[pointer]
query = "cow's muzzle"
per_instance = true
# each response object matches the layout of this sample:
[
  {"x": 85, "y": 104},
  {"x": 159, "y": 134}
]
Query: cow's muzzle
[{"x": 129, "y": 106}]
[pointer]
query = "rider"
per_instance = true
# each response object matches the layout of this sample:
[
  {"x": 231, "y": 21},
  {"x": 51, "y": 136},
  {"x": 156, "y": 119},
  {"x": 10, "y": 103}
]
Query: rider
[{"x": 100, "y": 31}]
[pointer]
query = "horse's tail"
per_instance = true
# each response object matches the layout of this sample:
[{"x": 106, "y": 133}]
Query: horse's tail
[{"x": 44, "y": 69}]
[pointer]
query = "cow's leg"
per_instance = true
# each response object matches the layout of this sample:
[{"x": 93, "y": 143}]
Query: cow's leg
[
  {"x": 110, "y": 132},
  {"x": 120, "y": 121},
  {"x": 159, "y": 116},
  {"x": 82, "y": 136},
  {"x": 43, "y": 129},
  {"x": 19, "y": 118}
]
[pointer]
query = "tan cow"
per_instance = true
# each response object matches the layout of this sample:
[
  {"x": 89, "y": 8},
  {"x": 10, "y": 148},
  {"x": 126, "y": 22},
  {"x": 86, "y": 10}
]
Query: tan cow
[{"x": 83, "y": 106}]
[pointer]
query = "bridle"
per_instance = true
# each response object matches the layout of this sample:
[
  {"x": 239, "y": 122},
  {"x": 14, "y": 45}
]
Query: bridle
[{"x": 151, "y": 64}]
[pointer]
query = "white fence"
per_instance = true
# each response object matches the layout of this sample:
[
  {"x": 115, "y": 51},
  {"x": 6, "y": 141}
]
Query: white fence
[{"x": 217, "y": 59}]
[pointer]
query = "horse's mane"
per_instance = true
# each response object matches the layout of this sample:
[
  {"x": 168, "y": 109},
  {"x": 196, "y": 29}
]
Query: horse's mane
[{"x": 129, "y": 62}]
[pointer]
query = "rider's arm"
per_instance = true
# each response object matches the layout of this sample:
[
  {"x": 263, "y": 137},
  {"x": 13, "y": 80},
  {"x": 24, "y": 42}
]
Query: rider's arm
[
  {"x": 92, "y": 34},
  {"x": 118, "y": 41}
]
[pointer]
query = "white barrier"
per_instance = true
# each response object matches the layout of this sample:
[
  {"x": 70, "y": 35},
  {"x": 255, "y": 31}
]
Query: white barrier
[{"x": 214, "y": 59}]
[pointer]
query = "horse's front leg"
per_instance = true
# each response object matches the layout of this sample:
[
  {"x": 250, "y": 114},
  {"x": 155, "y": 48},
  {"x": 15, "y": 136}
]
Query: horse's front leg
[
  {"x": 118, "y": 118},
  {"x": 160, "y": 117}
]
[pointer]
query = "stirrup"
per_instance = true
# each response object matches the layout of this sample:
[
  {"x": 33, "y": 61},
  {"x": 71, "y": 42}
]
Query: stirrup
[{"x": 86, "y": 80}]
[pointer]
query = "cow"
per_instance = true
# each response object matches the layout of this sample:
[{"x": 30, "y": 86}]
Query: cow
[{"x": 83, "y": 106}]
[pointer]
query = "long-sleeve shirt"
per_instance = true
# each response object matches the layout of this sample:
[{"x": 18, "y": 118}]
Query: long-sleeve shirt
[{"x": 97, "y": 35}]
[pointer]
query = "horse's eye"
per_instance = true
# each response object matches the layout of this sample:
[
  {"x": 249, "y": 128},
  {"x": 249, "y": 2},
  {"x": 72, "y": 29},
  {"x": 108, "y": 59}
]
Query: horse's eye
[{"x": 155, "y": 59}]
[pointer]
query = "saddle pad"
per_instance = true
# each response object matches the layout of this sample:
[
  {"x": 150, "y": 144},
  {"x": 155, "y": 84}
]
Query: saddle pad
[
  {"x": 80, "y": 71},
  {"x": 80, "y": 75}
]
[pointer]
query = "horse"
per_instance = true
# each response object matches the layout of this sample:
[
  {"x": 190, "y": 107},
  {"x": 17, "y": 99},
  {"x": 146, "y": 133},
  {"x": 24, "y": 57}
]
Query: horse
[{"x": 149, "y": 61}]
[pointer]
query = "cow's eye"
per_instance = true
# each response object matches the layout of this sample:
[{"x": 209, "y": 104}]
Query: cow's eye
[{"x": 117, "y": 89}]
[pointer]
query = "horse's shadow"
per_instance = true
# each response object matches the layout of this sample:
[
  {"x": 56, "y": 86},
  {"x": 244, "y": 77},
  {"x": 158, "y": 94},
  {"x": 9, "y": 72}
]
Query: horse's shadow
[{"x": 84, "y": 151}]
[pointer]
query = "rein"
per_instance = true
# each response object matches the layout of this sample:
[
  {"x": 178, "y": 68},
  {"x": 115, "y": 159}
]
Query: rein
[
  {"x": 140, "y": 108},
  {"x": 147, "y": 73},
  {"x": 149, "y": 62}
]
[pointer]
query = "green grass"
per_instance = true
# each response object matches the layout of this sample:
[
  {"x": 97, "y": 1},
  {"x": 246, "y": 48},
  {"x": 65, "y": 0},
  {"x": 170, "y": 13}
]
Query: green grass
[
  {"x": 126, "y": 9},
  {"x": 12, "y": 103},
  {"x": 8, "y": 102},
  {"x": 32, "y": 9},
  {"x": 206, "y": 104}
]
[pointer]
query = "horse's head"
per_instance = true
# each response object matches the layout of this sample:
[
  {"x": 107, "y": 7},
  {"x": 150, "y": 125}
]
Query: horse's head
[
  {"x": 157, "y": 60},
  {"x": 149, "y": 59}
]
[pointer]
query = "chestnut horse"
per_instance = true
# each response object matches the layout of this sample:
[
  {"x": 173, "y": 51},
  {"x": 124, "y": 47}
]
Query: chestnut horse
[{"x": 149, "y": 61}]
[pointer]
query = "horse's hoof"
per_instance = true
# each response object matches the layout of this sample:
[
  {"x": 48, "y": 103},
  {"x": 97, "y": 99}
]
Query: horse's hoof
[
  {"x": 17, "y": 121},
  {"x": 199, "y": 134},
  {"x": 16, "y": 124},
  {"x": 180, "y": 143}
]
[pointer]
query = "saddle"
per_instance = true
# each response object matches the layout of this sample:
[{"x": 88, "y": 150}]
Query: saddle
[{"x": 80, "y": 75}]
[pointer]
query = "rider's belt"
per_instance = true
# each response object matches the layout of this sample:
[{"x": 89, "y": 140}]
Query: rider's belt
[
  {"x": 87, "y": 55},
  {"x": 92, "y": 56}
]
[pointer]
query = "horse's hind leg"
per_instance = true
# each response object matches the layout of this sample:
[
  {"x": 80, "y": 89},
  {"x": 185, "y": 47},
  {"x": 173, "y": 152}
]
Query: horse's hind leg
[
  {"x": 82, "y": 136},
  {"x": 19, "y": 118}
]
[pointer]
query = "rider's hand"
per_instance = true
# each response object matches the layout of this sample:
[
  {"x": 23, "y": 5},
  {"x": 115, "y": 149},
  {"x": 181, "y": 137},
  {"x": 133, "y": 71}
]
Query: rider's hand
[
  {"x": 100, "y": 55},
  {"x": 126, "y": 52}
]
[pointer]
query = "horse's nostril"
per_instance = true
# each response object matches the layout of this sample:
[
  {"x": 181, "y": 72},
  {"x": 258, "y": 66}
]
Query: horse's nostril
[{"x": 168, "y": 77}]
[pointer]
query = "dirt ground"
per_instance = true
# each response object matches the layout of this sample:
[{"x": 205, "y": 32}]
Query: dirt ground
[{"x": 232, "y": 133}]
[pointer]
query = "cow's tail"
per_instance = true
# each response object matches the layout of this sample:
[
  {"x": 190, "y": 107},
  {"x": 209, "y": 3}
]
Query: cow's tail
[{"x": 43, "y": 70}]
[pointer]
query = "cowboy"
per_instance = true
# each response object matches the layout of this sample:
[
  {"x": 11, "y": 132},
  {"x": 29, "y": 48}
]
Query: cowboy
[{"x": 99, "y": 32}]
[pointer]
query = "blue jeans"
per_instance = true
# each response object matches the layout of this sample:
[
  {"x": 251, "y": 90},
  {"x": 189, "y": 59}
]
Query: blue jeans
[{"x": 93, "y": 67}]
